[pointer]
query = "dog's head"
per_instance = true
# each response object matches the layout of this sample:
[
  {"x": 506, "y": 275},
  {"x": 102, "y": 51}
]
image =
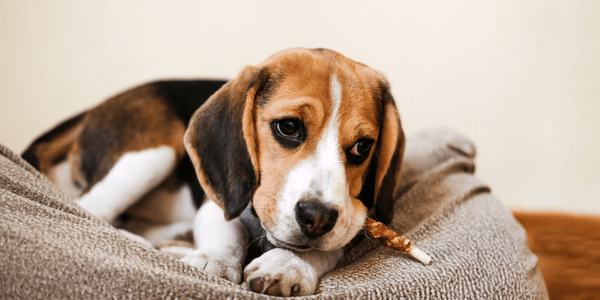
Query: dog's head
[{"x": 310, "y": 137}]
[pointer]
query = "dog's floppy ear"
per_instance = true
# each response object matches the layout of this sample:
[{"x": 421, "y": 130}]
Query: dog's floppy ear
[
  {"x": 221, "y": 142},
  {"x": 384, "y": 170}
]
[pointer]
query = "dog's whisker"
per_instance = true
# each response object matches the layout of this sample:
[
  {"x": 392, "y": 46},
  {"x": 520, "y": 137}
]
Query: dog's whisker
[
  {"x": 260, "y": 243},
  {"x": 259, "y": 239},
  {"x": 256, "y": 239}
]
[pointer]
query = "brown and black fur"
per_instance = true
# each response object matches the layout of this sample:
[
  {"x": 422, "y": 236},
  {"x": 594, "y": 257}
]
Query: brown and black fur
[{"x": 147, "y": 116}]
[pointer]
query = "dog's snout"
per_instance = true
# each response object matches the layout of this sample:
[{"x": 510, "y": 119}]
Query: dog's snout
[{"x": 315, "y": 219}]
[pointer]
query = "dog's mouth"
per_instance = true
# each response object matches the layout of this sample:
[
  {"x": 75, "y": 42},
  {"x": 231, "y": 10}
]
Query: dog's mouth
[{"x": 279, "y": 243}]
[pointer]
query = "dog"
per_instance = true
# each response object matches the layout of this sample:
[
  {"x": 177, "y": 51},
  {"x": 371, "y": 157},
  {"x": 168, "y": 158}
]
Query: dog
[{"x": 292, "y": 155}]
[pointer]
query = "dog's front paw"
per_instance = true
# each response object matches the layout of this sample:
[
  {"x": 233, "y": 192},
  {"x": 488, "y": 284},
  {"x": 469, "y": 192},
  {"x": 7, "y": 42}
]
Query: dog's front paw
[
  {"x": 281, "y": 272},
  {"x": 215, "y": 263}
]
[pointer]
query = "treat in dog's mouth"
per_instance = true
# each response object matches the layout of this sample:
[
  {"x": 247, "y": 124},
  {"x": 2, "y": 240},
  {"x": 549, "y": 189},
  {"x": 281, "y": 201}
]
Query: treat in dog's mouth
[{"x": 391, "y": 239}]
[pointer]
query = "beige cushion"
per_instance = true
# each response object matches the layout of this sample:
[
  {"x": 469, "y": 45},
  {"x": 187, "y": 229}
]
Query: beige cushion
[{"x": 51, "y": 248}]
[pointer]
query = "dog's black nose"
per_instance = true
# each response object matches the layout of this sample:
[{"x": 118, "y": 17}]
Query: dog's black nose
[{"x": 315, "y": 219}]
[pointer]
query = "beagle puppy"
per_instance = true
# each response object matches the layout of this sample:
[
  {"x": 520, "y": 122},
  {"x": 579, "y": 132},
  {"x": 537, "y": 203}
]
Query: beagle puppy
[{"x": 292, "y": 156}]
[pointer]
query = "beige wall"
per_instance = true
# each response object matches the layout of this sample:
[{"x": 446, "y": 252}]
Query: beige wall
[{"x": 521, "y": 78}]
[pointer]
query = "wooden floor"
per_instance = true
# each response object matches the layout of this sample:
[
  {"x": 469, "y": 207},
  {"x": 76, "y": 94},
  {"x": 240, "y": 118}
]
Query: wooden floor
[{"x": 568, "y": 249}]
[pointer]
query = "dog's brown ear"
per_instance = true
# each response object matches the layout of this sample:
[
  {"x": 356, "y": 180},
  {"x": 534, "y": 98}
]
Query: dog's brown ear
[
  {"x": 384, "y": 169},
  {"x": 221, "y": 142}
]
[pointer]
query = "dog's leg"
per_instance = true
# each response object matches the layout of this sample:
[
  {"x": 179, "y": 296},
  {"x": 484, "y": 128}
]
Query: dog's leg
[
  {"x": 134, "y": 175},
  {"x": 221, "y": 244},
  {"x": 283, "y": 272}
]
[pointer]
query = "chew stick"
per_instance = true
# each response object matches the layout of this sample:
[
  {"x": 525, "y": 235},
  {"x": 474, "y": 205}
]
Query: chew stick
[{"x": 391, "y": 239}]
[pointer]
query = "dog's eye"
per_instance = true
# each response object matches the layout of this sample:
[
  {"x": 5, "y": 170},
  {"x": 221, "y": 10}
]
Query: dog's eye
[
  {"x": 289, "y": 132},
  {"x": 359, "y": 151},
  {"x": 289, "y": 128},
  {"x": 361, "y": 147}
]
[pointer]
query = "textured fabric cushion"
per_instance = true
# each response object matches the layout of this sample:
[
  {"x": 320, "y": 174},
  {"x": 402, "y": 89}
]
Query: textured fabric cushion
[{"x": 50, "y": 248}]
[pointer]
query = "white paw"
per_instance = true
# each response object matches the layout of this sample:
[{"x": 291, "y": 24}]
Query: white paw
[
  {"x": 281, "y": 272},
  {"x": 215, "y": 263}
]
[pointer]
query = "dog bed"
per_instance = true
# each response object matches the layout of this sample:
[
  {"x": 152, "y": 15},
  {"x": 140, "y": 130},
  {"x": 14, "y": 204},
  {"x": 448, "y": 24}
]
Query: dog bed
[{"x": 50, "y": 248}]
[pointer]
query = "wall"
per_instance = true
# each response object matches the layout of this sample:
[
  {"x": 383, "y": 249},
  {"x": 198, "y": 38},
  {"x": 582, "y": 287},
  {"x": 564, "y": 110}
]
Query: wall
[{"x": 521, "y": 78}]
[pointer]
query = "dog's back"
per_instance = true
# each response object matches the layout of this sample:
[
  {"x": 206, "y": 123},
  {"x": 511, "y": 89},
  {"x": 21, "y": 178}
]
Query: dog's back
[
  {"x": 143, "y": 117},
  {"x": 129, "y": 150}
]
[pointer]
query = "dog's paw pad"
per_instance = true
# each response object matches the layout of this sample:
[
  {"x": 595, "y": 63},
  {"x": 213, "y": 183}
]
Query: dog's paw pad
[
  {"x": 280, "y": 273},
  {"x": 219, "y": 265}
]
